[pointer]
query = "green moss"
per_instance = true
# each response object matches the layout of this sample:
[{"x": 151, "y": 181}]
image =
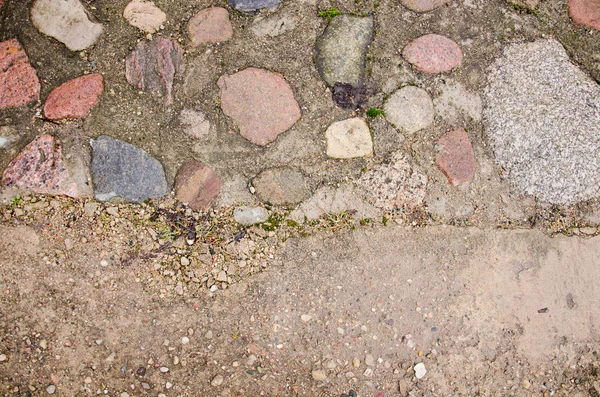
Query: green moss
[
  {"x": 329, "y": 14},
  {"x": 374, "y": 112},
  {"x": 272, "y": 223}
]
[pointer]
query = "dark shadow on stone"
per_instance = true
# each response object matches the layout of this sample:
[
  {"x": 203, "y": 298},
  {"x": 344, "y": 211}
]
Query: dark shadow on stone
[{"x": 348, "y": 97}]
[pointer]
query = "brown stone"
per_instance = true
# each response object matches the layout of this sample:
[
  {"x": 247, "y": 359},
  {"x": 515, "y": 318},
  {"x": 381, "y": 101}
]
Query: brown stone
[
  {"x": 210, "y": 25},
  {"x": 423, "y": 5},
  {"x": 75, "y": 98},
  {"x": 260, "y": 102},
  {"x": 585, "y": 12},
  {"x": 19, "y": 83},
  {"x": 196, "y": 185},
  {"x": 282, "y": 186},
  {"x": 40, "y": 168},
  {"x": 455, "y": 157},
  {"x": 433, "y": 53}
]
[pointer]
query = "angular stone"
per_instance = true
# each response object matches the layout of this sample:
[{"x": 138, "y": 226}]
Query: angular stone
[
  {"x": 433, "y": 54},
  {"x": 349, "y": 138},
  {"x": 544, "y": 132},
  {"x": 67, "y": 21},
  {"x": 19, "y": 84},
  {"x": 196, "y": 185},
  {"x": 423, "y": 5},
  {"x": 75, "y": 98},
  {"x": 455, "y": 157},
  {"x": 40, "y": 168},
  {"x": 282, "y": 186},
  {"x": 196, "y": 124},
  {"x": 585, "y": 12},
  {"x": 210, "y": 25},
  {"x": 261, "y": 103},
  {"x": 144, "y": 15},
  {"x": 342, "y": 49},
  {"x": 253, "y": 5},
  {"x": 121, "y": 170},
  {"x": 152, "y": 66},
  {"x": 409, "y": 109},
  {"x": 249, "y": 216}
]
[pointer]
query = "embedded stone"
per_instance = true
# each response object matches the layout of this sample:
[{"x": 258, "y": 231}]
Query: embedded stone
[
  {"x": 196, "y": 185},
  {"x": 585, "y": 12},
  {"x": 341, "y": 50},
  {"x": 75, "y": 98},
  {"x": 144, "y": 15},
  {"x": 248, "y": 216},
  {"x": 349, "y": 138},
  {"x": 455, "y": 157},
  {"x": 409, "y": 109},
  {"x": 260, "y": 102},
  {"x": 423, "y": 5},
  {"x": 153, "y": 65},
  {"x": 210, "y": 25},
  {"x": 433, "y": 54},
  {"x": 253, "y": 5},
  {"x": 124, "y": 171},
  {"x": 67, "y": 21},
  {"x": 19, "y": 84},
  {"x": 282, "y": 186}
]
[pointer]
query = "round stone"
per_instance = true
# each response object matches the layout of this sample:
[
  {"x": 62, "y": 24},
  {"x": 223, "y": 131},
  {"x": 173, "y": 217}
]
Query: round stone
[
  {"x": 455, "y": 157},
  {"x": 75, "y": 98},
  {"x": 409, "y": 109},
  {"x": 260, "y": 102},
  {"x": 433, "y": 54},
  {"x": 144, "y": 15},
  {"x": 210, "y": 25},
  {"x": 349, "y": 138},
  {"x": 423, "y": 5},
  {"x": 585, "y": 12}
]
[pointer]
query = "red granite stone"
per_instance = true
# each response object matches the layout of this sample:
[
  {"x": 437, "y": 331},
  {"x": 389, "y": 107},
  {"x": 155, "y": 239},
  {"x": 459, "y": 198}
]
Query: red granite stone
[
  {"x": 455, "y": 157},
  {"x": 433, "y": 53},
  {"x": 75, "y": 98},
  {"x": 196, "y": 185},
  {"x": 19, "y": 84},
  {"x": 39, "y": 168},
  {"x": 260, "y": 102},
  {"x": 210, "y": 25},
  {"x": 423, "y": 5},
  {"x": 585, "y": 12},
  {"x": 1, "y": 3}
]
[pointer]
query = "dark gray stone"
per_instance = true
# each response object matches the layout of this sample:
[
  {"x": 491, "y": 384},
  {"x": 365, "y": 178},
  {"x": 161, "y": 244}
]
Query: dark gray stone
[
  {"x": 121, "y": 170},
  {"x": 252, "y": 5},
  {"x": 342, "y": 49}
]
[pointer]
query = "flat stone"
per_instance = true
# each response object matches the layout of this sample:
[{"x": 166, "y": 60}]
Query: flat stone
[
  {"x": 144, "y": 15},
  {"x": 253, "y": 5},
  {"x": 260, "y": 102},
  {"x": 342, "y": 49},
  {"x": 409, "y": 109},
  {"x": 394, "y": 184},
  {"x": 249, "y": 216},
  {"x": 585, "y": 12},
  {"x": 40, "y": 168},
  {"x": 19, "y": 84},
  {"x": 75, "y": 98},
  {"x": 433, "y": 54},
  {"x": 349, "y": 138},
  {"x": 196, "y": 124},
  {"x": 67, "y": 21},
  {"x": 423, "y": 5},
  {"x": 196, "y": 185},
  {"x": 455, "y": 157},
  {"x": 544, "y": 132},
  {"x": 282, "y": 186},
  {"x": 210, "y": 25},
  {"x": 152, "y": 66},
  {"x": 124, "y": 171}
]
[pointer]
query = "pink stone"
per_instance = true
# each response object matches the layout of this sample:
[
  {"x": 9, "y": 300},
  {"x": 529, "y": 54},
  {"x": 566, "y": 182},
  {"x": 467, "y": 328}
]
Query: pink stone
[
  {"x": 152, "y": 66},
  {"x": 210, "y": 25},
  {"x": 585, "y": 12},
  {"x": 75, "y": 98},
  {"x": 433, "y": 53},
  {"x": 39, "y": 168},
  {"x": 455, "y": 157},
  {"x": 196, "y": 185},
  {"x": 19, "y": 84},
  {"x": 260, "y": 102},
  {"x": 1, "y": 3},
  {"x": 423, "y": 5}
]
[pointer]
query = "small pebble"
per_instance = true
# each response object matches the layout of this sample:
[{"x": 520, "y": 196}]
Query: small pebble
[
  {"x": 526, "y": 384},
  {"x": 209, "y": 334},
  {"x": 3, "y": 358},
  {"x": 217, "y": 380},
  {"x": 318, "y": 375},
  {"x": 420, "y": 370},
  {"x": 164, "y": 370},
  {"x": 145, "y": 386},
  {"x": 169, "y": 385},
  {"x": 185, "y": 340},
  {"x": 43, "y": 344},
  {"x": 190, "y": 331},
  {"x": 355, "y": 362},
  {"x": 51, "y": 389},
  {"x": 124, "y": 394},
  {"x": 306, "y": 318},
  {"x": 184, "y": 261},
  {"x": 141, "y": 371},
  {"x": 369, "y": 360}
]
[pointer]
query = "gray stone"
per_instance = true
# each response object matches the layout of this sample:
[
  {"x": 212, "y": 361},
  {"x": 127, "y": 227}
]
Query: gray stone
[
  {"x": 282, "y": 186},
  {"x": 249, "y": 216},
  {"x": 253, "y": 5},
  {"x": 67, "y": 21},
  {"x": 341, "y": 50},
  {"x": 121, "y": 170},
  {"x": 542, "y": 116},
  {"x": 409, "y": 109}
]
